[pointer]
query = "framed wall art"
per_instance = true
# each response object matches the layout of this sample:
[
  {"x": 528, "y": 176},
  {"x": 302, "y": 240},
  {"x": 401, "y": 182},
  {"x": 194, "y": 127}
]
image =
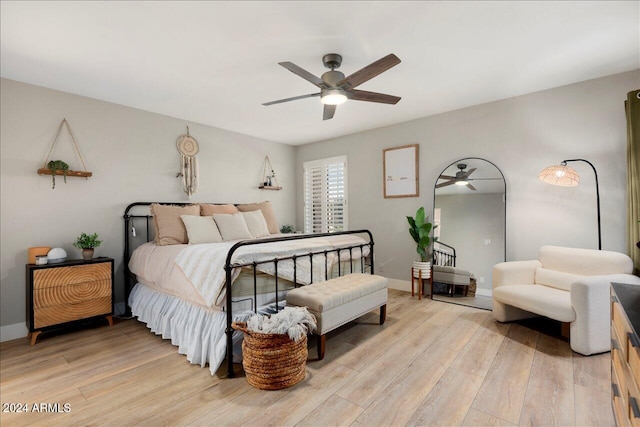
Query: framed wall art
[{"x": 400, "y": 171}]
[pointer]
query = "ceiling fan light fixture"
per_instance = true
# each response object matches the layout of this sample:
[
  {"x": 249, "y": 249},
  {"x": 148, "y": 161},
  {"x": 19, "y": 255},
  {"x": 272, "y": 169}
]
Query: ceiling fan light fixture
[
  {"x": 462, "y": 182},
  {"x": 333, "y": 96}
]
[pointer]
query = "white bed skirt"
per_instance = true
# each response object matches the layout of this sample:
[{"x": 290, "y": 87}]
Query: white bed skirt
[{"x": 197, "y": 331}]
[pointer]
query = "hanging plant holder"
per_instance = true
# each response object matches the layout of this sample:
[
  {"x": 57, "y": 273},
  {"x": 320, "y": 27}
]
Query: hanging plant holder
[
  {"x": 269, "y": 180},
  {"x": 58, "y": 167}
]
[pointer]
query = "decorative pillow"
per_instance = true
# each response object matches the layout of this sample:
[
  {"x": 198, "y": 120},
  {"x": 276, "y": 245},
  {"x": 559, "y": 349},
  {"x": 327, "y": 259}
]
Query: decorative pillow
[
  {"x": 207, "y": 209},
  {"x": 232, "y": 226},
  {"x": 267, "y": 212},
  {"x": 201, "y": 229},
  {"x": 256, "y": 223},
  {"x": 168, "y": 225}
]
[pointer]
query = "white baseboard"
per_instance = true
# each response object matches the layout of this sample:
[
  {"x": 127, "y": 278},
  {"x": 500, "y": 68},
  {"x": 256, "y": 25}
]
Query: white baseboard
[
  {"x": 401, "y": 285},
  {"x": 12, "y": 332},
  {"x": 484, "y": 292},
  {"x": 20, "y": 330}
]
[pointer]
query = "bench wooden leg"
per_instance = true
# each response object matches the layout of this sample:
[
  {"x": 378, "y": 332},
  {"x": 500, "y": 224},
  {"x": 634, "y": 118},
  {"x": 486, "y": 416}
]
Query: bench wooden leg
[
  {"x": 322, "y": 341},
  {"x": 383, "y": 314}
]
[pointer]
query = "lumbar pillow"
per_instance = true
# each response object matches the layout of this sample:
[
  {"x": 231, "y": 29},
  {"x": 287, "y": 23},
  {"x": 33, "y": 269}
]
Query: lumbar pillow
[
  {"x": 168, "y": 225},
  {"x": 267, "y": 212},
  {"x": 232, "y": 226},
  {"x": 207, "y": 209},
  {"x": 256, "y": 223},
  {"x": 201, "y": 229}
]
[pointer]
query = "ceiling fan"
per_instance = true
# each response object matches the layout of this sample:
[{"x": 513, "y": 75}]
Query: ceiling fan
[
  {"x": 335, "y": 88},
  {"x": 461, "y": 177}
]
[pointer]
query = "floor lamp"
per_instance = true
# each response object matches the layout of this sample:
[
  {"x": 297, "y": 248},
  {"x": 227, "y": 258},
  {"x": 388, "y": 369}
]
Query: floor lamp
[{"x": 565, "y": 176}]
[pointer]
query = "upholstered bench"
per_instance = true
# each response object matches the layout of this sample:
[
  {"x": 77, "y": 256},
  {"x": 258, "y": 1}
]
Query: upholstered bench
[{"x": 337, "y": 301}]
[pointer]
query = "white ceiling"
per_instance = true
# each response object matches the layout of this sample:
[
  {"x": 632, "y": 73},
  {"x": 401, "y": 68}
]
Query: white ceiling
[{"x": 216, "y": 62}]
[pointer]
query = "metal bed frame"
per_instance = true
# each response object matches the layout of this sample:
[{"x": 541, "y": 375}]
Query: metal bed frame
[
  {"x": 444, "y": 258},
  {"x": 130, "y": 279}
]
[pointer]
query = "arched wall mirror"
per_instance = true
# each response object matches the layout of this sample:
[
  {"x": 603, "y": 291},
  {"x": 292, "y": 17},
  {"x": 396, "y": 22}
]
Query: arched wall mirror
[{"x": 470, "y": 211}]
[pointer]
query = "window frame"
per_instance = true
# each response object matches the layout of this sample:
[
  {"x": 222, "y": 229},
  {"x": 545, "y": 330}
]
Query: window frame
[{"x": 325, "y": 164}]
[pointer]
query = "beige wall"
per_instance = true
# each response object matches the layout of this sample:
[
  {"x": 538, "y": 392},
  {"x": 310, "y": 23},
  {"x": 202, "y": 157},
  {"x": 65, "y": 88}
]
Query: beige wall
[
  {"x": 132, "y": 156},
  {"x": 521, "y": 136}
]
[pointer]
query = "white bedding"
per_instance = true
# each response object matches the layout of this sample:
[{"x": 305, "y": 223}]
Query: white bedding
[{"x": 196, "y": 272}]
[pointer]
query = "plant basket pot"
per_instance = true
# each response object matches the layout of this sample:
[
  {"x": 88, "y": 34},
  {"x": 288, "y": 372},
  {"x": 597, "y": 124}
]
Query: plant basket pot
[
  {"x": 424, "y": 267},
  {"x": 272, "y": 361},
  {"x": 87, "y": 253}
]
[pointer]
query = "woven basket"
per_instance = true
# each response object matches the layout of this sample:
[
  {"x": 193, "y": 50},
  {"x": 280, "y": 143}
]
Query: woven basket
[{"x": 272, "y": 361}]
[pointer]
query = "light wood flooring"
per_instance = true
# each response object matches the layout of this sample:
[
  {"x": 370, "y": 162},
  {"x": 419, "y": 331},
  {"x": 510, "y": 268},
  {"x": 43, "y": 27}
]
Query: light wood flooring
[{"x": 432, "y": 363}]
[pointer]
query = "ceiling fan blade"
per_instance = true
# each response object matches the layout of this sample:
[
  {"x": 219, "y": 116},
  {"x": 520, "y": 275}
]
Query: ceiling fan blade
[
  {"x": 292, "y": 98},
  {"x": 363, "y": 95},
  {"x": 471, "y": 187},
  {"x": 444, "y": 184},
  {"x": 469, "y": 172},
  {"x": 446, "y": 177},
  {"x": 304, "y": 74},
  {"x": 329, "y": 111},
  {"x": 369, "y": 72}
]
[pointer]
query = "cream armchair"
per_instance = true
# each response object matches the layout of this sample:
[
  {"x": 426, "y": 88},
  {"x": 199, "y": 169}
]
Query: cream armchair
[{"x": 566, "y": 284}]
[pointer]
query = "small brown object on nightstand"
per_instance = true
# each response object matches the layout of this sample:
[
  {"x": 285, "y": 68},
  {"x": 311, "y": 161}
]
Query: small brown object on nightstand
[{"x": 60, "y": 294}]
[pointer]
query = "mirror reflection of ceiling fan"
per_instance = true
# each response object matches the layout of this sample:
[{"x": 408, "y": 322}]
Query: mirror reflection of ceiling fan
[
  {"x": 335, "y": 88},
  {"x": 461, "y": 178}
]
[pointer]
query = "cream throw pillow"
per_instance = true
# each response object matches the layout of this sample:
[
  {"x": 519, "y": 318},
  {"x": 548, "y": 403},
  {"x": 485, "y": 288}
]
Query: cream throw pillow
[
  {"x": 168, "y": 226},
  {"x": 256, "y": 223},
  {"x": 267, "y": 211},
  {"x": 201, "y": 229},
  {"x": 232, "y": 226}
]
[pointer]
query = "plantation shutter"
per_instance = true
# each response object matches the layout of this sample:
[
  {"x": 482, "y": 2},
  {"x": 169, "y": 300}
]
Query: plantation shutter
[{"x": 325, "y": 198}]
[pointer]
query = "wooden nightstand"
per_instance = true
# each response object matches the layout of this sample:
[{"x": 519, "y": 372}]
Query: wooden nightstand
[{"x": 62, "y": 294}]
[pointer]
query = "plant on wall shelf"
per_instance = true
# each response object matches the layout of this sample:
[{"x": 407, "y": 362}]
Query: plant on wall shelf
[{"x": 57, "y": 165}]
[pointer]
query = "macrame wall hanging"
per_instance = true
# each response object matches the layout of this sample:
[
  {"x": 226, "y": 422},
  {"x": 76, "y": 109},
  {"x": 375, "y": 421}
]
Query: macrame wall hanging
[
  {"x": 58, "y": 167},
  {"x": 188, "y": 148}
]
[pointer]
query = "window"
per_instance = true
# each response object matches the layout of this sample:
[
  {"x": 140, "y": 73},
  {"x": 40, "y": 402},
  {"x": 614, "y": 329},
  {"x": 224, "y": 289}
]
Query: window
[{"x": 325, "y": 195}]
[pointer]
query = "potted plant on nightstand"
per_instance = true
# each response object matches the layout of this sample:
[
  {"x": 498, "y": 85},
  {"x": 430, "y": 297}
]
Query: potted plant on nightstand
[
  {"x": 419, "y": 229},
  {"x": 87, "y": 242}
]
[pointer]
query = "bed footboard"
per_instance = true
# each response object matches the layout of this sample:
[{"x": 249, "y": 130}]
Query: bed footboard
[{"x": 230, "y": 266}]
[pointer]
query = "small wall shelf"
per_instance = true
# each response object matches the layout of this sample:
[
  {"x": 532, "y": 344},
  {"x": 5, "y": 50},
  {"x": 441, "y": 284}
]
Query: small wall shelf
[
  {"x": 81, "y": 174},
  {"x": 269, "y": 180},
  {"x": 44, "y": 170}
]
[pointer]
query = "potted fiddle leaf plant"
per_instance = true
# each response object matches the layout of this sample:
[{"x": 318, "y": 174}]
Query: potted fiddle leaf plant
[
  {"x": 419, "y": 229},
  {"x": 87, "y": 242}
]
